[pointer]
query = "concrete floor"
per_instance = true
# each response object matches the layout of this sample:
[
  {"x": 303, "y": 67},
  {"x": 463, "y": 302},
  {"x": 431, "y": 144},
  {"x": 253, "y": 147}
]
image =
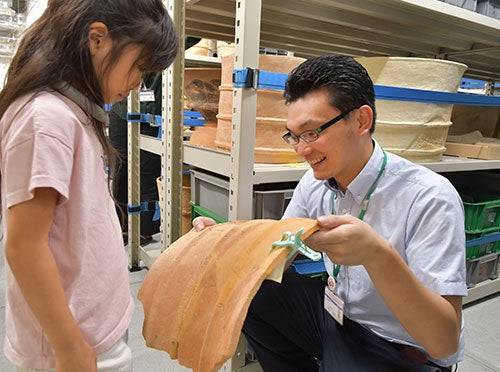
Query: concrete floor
[{"x": 482, "y": 318}]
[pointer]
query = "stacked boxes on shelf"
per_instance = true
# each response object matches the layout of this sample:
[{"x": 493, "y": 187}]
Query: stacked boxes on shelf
[
  {"x": 466, "y": 4},
  {"x": 490, "y": 8},
  {"x": 210, "y": 197},
  {"x": 482, "y": 219}
]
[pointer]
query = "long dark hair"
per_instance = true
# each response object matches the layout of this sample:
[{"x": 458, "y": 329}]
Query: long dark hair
[{"x": 56, "y": 48}]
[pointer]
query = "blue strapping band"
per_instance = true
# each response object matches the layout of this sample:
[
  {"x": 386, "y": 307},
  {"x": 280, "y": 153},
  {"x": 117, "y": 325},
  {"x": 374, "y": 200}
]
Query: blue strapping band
[
  {"x": 136, "y": 117},
  {"x": 483, "y": 240},
  {"x": 193, "y": 119},
  {"x": 156, "y": 216},
  {"x": 143, "y": 207},
  {"x": 431, "y": 96},
  {"x": 244, "y": 78}
]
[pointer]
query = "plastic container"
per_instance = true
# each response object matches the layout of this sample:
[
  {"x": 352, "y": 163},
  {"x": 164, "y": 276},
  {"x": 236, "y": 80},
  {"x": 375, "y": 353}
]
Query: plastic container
[
  {"x": 482, "y": 269},
  {"x": 466, "y": 4},
  {"x": 482, "y": 212},
  {"x": 490, "y": 8},
  {"x": 212, "y": 193},
  {"x": 480, "y": 250},
  {"x": 198, "y": 211}
]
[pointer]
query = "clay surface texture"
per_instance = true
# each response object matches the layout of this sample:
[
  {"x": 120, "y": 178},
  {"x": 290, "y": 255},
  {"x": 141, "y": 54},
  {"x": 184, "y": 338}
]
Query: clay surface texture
[{"x": 197, "y": 293}]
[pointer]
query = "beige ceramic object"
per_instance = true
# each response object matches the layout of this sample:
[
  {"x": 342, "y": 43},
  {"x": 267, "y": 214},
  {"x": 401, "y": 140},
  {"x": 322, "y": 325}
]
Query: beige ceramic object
[
  {"x": 185, "y": 205},
  {"x": 271, "y": 112},
  {"x": 201, "y": 88},
  {"x": 395, "y": 119},
  {"x": 197, "y": 293},
  {"x": 224, "y": 48},
  {"x": 204, "y": 47}
]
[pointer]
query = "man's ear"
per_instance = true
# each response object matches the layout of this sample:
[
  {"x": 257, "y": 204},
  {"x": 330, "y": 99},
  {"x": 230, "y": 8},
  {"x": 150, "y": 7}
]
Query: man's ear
[
  {"x": 98, "y": 32},
  {"x": 365, "y": 119}
]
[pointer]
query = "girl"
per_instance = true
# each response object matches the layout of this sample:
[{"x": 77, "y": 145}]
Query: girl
[{"x": 68, "y": 296}]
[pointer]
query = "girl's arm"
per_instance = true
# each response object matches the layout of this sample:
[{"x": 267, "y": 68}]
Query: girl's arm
[{"x": 32, "y": 263}]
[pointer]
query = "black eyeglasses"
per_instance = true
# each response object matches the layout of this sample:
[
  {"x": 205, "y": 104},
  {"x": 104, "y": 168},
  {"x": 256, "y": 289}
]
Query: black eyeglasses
[{"x": 313, "y": 134}]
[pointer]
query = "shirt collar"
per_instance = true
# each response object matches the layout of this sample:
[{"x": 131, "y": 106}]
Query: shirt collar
[{"x": 360, "y": 186}]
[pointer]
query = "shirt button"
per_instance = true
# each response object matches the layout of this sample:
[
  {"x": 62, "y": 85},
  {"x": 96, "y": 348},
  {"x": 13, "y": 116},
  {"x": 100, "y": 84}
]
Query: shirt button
[
  {"x": 344, "y": 211},
  {"x": 359, "y": 197}
]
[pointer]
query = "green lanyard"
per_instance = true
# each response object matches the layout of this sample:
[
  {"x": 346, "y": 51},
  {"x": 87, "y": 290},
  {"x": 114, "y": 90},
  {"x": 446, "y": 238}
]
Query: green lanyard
[{"x": 364, "y": 203}]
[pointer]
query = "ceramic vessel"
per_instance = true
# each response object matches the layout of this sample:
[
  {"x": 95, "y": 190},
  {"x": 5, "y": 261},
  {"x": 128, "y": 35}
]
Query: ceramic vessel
[
  {"x": 412, "y": 129},
  {"x": 271, "y": 112},
  {"x": 201, "y": 88}
]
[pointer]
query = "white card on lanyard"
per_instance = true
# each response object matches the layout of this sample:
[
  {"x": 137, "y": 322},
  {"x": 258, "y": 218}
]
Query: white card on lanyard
[
  {"x": 334, "y": 305},
  {"x": 147, "y": 95}
]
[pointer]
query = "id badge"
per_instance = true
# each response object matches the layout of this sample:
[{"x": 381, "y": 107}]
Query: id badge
[
  {"x": 334, "y": 305},
  {"x": 147, "y": 95}
]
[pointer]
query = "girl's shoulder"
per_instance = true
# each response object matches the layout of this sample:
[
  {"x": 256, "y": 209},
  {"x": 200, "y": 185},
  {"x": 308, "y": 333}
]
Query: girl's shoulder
[
  {"x": 47, "y": 112},
  {"x": 50, "y": 105}
]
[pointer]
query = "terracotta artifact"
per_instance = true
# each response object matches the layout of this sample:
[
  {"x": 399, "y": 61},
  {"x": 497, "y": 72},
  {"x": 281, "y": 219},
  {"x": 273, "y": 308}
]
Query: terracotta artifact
[
  {"x": 201, "y": 88},
  {"x": 271, "y": 112},
  {"x": 197, "y": 293}
]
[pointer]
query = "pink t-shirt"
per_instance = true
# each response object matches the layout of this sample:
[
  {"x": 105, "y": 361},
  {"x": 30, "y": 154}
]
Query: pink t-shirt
[{"x": 47, "y": 141}]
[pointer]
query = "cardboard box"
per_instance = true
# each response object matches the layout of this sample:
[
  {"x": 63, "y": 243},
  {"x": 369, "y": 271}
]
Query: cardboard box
[{"x": 481, "y": 150}]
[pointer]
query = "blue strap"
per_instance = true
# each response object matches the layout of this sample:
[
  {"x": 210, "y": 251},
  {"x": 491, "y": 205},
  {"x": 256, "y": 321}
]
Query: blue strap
[
  {"x": 483, "y": 240},
  {"x": 253, "y": 78},
  {"x": 430, "y": 96},
  {"x": 156, "y": 216},
  {"x": 143, "y": 207},
  {"x": 193, "y": 119},
  {"x": 153, "y": 120}
]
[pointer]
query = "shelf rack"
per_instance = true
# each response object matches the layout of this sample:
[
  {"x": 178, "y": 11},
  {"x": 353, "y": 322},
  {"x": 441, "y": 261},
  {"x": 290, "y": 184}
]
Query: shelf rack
[{"x": 414, "y": 28}]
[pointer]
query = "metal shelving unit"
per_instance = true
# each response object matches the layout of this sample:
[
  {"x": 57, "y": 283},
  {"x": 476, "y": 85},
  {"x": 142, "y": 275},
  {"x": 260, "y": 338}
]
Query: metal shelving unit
[{"x": 415, "y": 28}]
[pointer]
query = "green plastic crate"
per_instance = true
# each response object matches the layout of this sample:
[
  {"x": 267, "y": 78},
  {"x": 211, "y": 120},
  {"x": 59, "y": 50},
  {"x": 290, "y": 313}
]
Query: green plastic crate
[
  {"x": 482, "y": 212},
  {"x": 197, "y": 211},
  {"x": 477, "y": 251}
]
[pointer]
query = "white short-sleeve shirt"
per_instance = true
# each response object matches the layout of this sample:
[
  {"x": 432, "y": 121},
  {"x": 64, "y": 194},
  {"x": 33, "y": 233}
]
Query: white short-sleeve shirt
[{"x": 418, "y": 211}]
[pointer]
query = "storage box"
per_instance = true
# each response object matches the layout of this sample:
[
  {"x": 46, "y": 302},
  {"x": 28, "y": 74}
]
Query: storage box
[
  {"x": 198, "y": 211},
  {"x": 490, "y": 8},
  {"x": 482, "y": 268},
  {"x": 484, "y": 249},
  {"x": 466, "y": 4},
  {"x": 482, "y": 213},
  {"x": 211, "y": 192},
  {"x": 480, "y": 150}
]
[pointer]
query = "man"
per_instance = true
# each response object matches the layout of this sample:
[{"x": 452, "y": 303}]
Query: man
[{"x": 392, "y": 237}]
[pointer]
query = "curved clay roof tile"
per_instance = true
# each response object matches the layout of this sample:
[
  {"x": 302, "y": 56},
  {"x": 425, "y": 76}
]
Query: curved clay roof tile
[{"x": 197, "y": 293}]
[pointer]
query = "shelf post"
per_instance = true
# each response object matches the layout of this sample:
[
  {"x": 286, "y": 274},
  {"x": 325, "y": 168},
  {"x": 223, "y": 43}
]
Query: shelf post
[
  {"x": 172, "y": 131},
  {"x": 134, "y": 181},
  {"x": 247, "y": 35}
]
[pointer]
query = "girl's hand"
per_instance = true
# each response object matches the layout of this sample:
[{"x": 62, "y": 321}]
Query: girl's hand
[
  {"x": 77, "y": 358},
  {"x": 199, "y": 223}
]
